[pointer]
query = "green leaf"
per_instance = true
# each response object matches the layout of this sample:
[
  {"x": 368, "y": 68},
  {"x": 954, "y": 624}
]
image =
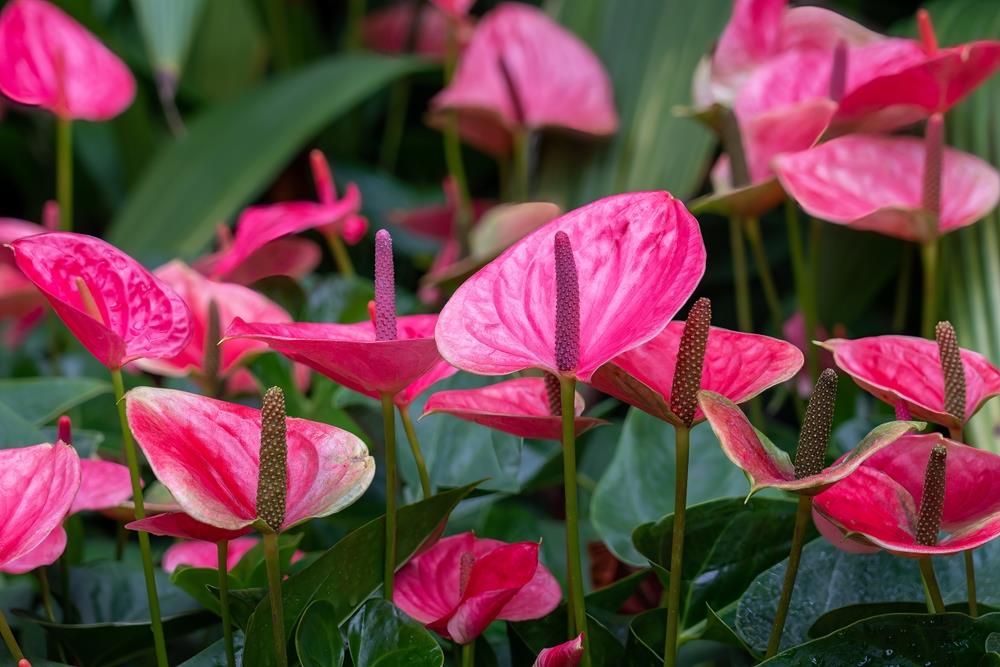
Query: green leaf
[
  {"x": 167, "y": 28},
  {"x": 380, "y": 634},
  {"x": 726, "y": 544},
  {"x": 39, "y": 400},
  {"x": 231, "y": 152},
  {"x": 533, "y": 636},
  {"x": 899, "y": 639},
  {"x": 841, "y": 618},
  {"x": 215, "y": 654},
  {"x": 349, "y": 572},
  {"x": 637, "y": 485},
  {"x": 317, "y": 639},
  {"x": 228, "y": 53},
  {"x": 16, "y": 431}
]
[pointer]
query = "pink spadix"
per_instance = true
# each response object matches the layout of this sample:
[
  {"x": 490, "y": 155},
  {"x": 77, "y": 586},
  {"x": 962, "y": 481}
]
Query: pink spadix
[
  {"x": 385, "y": 288},
  {"x": 567, "y": 306}
]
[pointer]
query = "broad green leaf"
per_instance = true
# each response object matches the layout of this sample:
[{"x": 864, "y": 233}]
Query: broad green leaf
[
  {"x": 215, "y": 654},
  {"x": 899, "y": 639},
  {"x": 349, "y": 572},
  {"x": 638, "y": 485},
  {"x": 232, "y": 151},
  {"x": 647, "y": 636},
  {"x": 39, "y": 400},
  {"x": 15, "y": 431},
  {"x": 229, "y": 51},
  {"x": 845, "y": 616},
  {"x": 551, "y": 630},
  {"x": 726, "y": 544},
  {"x": 829, "y": 579},
  {"x": 167, "y": 28},
  {"x": 317, "y": 639},
  {"x": 380, "y": 635}
]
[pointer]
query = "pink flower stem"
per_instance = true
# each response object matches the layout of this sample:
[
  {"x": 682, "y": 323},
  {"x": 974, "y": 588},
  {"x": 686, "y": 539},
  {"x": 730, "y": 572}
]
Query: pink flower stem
[
  {"x": 227, "y": 625},
  {"x": 802, "y": 517},
  {"x": 682, "y": 447},
  {"x": 64, "y": 172},
  {"x": 389, "y": 424},
  {"x": 934, "y": 600},
  {"x": 8, "y": 638},
  {"x": 270, "y": 539},
  {"x": 418, "y": 456},
  {"x": 132, "y": 459},
  {"x": 578, "y": 612}
]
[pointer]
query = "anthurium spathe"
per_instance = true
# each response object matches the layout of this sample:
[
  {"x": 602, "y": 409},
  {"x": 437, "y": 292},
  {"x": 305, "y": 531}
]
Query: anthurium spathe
[
  {"x": 204, "y": 554},
  {"x": 523, "y": 71},
  {"x": 567, "y": 654},
  {"x": 207, "y": 453},
  {"x": 49, "y": 60},
  {"x": 526, "y": 407},
  {"x": 463, "y": 583},
  {"x": 737, "y": 365},
  {"x": 879, "y": 504},
  {"x": 116, "y": 308},
  {"x": 875, "y": 183},
  {"x": 639, "y": 257},
  {"x": 289, "y": 256}
]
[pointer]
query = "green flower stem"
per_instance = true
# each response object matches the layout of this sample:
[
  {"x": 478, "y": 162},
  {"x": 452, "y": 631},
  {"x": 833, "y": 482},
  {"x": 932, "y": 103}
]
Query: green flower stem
[
  {"x": 903, "y": 289},
  {"x": 753, "y": 233},
  {"x": 804, "y": 285},
  {"x": 741, "y": 280},
  {"x": 956, "y": 434},
  {"x": 929, "y": 256},
  {"x": 356, "y": 23},
  {"x": 389, "y": 423},
  {"x": 521, "y": 162},
  {"x": 274, "y": 591},
  {"x": 683, "y": 439},
  {"x": 931, "y": 585},
  {"x": 43, "y": 586},
  {"x": 418, "y": 455},
  {"x": 802, "y": 517},
  {"x": 8, "y": 639},
  {"x": 453, "y": 153},
  {"x": 64, "y": 172},
  {"x": 395, "y": 121},
  {"x": 469, "y": 654},
  {"x": 578, "y": 618},
  {"x": 340, "y": 256},
  {"x": 227, "y": 625},
  {"x": 159, "y": 642}
]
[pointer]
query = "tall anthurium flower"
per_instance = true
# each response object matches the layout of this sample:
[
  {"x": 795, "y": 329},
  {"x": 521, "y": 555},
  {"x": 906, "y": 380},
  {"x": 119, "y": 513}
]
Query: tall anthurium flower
[
  {"x": 527, "y": 407},
  {"x": 737, "y": 365},
  {"x": 116, "y": 308},
  {"x": 463, "y": 583},
  {"x": 49, "y": 60},
  {"x": 567, "y": 654},
  {"x": 520, "y": 72}
]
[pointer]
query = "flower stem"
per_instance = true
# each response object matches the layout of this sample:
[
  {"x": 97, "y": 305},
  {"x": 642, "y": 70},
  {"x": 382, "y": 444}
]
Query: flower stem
[
  {"x": 43, "y": 586},
  {"x": 802, "y": 516},
  {"x": 355, "y": 24},
  {"x": 159, "y": 642},
  {"x": 970, "y": 582},
  {"x": 453, "y": 153},
  {"x": 64, "y": 172},
  {"x": 752, "y": 228},
  {"x": 931, "y": 584},
  {"x": 929, "y": 255},
  {"x": 418, "y": 456},
  {"x": 469, "y": 654},
  {"x": 741, "y": 282},
  {"x": 395, "y": 120},
  {"x": 8, "y": 638},
  {"x": 227, "y": 625},
  {"x": 274, "y": 590},
  {"x": 803, "y": 286},
  {"x": 682, "y": 446},
  {"x": 903, "y": 289},
  {"x": 389, "y": 424},
  {"x": 578, "y": 619},
  {"x": 340, "y": 256}
]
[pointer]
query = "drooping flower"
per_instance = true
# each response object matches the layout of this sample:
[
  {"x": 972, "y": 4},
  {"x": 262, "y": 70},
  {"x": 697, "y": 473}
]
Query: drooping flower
[
  {"x": 289, "y": 256},
  {"x": 463, "y": 583},
  {"x": 639, "y": 257},
  {"x": 116, "y": 308},
  {"x": 736, "y": 365},
  {"x": 49, "y": 60},
  {"x": 388, "y": 30},
  {"x": 567, "y": 654},
  {"x": 882, "y": 503},
  {"x": 526, "y": 407},
  {"x": 207, "y": 452},
  {"x": 523, "y": 71}
]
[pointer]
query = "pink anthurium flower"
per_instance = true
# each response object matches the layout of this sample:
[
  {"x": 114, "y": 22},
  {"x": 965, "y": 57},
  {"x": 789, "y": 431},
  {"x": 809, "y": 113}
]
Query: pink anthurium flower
[
  {"x": 737, "y": 365},
  {"x": 260, "y": 225},
  {"x": 289, "y": 256},
  {"x": 19, "y": 300},
  {"x": 567, "y": 654},
  {"x": 456, "y": 9},
  {"x": 195, "y": 553},
  {"x": 522, "y": 407},
  {"x": 878, "y": 505},
  {"x": 207, "y": 453},
  {"x": 639, "y": 257},
  {"x": 116, "y": 308},
  {"x": 37, "y": 487},
  {"x": 463, "y": 583},
  {"x": 523, "y": 71},
  {"x": 907, "y": 370},
  {"x": 437, "y": 221},
  {"x": 387, "y": 30},
  {"x": 767, "y": 466},
  {"x": 49, "y": 60},
  {"x": 875, "y": 183},
  {"x": 175, "y": 523}
]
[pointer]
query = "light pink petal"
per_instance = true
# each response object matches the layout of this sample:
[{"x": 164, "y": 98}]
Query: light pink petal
[
  {"x": 519, "y": 407},
  {"x": 103, "y": 484},
  {"x": 439, "y": 371},
  {"x": 537, "y": 598},
  {"x": 567, "y": 654},
  {"x": 752, "y": 36},
  {"x": 875, "y": 183},
  {"x": 908, "y": 369},
  {"x": 558, "y": 81},
  {"x": 791, "y": 128},
  {"x": 37, "y": 486},
  {"x": 839, "y": 539},
  {"x": 293, "y": 257},
  {"x": 206, "y": 554},
  {"x": 207, "y": 453},
  {"x": 737, "y": 365},
  {"x": 639, "y": 257},
  {"x": 46, "y": 553},
  {"x": 349, "y": 353},
  {"x": 179, "y": 524},
  {"x": 817, "y": 28},
  {"x": 427, "y": 587},
  {"x": 140, "y": 316},
  {"x": 49, "y": 60},
  {"x": 12, "y": 229},
  {"x": 18, "y": 296}
]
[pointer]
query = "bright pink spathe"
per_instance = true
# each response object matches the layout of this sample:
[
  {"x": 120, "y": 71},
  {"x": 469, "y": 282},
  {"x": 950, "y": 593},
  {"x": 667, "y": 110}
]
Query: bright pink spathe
[
  {"x": 737, "y": 365},
  {"x": 47, "y": 59},
  {"x": 137, "y": 315},
  {"x": 289, "y": 256},
  {"x": 523, "y": 71},
  {"x": 639, "y": 257},
  {"x": 463, "y": 583},
  {"x": 567, "y": 654},
  {"x": 878, "y": 504},
  {"x": 207, "y": 453}
]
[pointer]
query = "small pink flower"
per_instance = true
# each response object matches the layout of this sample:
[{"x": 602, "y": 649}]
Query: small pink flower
[
  {"x": 567, "y": 654},
  {"x": 289, "y": 256},
  {"x": 387, "y": 30}
]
